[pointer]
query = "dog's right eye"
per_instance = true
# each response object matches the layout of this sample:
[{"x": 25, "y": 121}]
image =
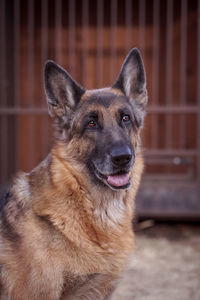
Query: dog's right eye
[
  {"x": 126, "y": 118},
  {"x": 91, "y": 124}
]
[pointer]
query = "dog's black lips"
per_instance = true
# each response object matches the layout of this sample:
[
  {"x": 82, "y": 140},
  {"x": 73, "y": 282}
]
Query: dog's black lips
[
  {"x": 104, "y": 178},
  {"x": 120, "y": 187},
  {"x": 99, "y": 174}
]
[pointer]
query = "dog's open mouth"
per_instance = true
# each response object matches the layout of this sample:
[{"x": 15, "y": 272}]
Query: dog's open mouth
[{"x": 120, "y": 180}]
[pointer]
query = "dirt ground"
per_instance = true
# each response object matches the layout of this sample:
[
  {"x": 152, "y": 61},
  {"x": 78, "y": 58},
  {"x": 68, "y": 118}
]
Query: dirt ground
[{"x": 165, "y": 264}]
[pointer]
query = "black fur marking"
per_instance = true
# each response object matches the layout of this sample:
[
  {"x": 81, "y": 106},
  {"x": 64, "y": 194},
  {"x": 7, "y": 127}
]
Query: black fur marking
[
  {"x": 125, "y": 111},
  {"x": 91, "y": 116},
  {"x": 73, "y": 282},
  {"x": 105, "y": 99},
  {"x": 46, "y": 220},
  {"x": 7, "y": 229},
  {"x": 5, "y": 197},
  {"x": 49, "y": 169},
  {"x": 92, "y": 174},
  {"x": 102, "y": 153}
]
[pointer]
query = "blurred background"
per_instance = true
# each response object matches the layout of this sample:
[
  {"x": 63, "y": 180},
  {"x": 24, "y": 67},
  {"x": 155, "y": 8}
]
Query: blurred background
[{"x": 90, "y": 38}]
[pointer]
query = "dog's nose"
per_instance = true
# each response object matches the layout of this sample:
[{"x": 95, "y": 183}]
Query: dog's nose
[{"x": 121, "y": 155}]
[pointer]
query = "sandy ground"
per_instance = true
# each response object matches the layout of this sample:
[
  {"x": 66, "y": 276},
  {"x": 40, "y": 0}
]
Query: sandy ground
[{"x": 165, "y": 265}]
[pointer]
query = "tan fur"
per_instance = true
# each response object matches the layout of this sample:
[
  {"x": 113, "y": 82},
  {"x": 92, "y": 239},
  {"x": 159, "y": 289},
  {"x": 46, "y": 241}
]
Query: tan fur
[
  {"x": 114, "y": 91},
  {"x": 82, "y": 239},
  {"x": 61, "y": 235}
]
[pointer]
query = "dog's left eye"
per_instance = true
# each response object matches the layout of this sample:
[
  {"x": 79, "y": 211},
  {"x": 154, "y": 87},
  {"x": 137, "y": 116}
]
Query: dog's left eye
[
  {"x": 91, "y": 124},
  {"x": 126, "y": 118}
]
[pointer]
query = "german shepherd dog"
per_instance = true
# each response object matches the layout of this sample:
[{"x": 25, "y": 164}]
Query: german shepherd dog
[{"x": 66, "y": 227}]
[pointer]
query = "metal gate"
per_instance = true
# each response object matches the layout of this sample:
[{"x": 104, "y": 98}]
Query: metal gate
[{"x": 90, "y": 38}]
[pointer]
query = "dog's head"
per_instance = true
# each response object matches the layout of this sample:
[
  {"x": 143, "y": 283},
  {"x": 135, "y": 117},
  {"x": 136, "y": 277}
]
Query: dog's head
[{"x": 100, "y": 128}]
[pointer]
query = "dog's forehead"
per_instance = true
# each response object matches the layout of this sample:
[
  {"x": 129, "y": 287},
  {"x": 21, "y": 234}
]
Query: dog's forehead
[{"x": 103, "y": 98}]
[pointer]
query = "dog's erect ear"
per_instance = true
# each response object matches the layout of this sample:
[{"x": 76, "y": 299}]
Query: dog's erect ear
[
  {"x": 131, "y": 79},
  {"x": 63, "y": 93}
]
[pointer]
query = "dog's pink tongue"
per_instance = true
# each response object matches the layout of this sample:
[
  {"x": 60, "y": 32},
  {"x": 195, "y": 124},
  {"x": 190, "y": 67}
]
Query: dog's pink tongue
[{"x": 118, "y": 180}]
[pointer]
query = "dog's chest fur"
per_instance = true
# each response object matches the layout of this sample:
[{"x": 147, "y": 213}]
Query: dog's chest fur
[{"x": 90, "y": 239}]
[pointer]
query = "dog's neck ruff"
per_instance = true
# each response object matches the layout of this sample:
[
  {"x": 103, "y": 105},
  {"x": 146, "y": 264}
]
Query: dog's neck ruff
[{"x": 104, "y": 206}]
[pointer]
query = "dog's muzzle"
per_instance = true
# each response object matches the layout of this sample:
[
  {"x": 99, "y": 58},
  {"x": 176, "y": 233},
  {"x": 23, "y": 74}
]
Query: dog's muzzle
[{"x": 115, "y": 170}]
